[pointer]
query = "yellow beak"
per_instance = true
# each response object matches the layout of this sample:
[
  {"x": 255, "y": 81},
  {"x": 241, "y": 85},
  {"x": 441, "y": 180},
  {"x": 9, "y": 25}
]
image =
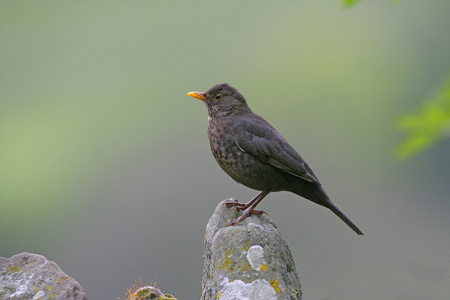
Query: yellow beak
[{"x": 197, "y": 95}]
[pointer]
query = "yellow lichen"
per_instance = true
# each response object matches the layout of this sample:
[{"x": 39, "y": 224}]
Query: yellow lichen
[
  {"x": 51, "y": 296},
  {"x": 147, "y": 294},
  {"x": 245, "y": 267},
  {"x": 49, "y": 288},
  {"x": 246, "y": 246},
  {"x": 219, "y": 294},
  {"x": 143, "y": 292},
  {"x": 227, "y": 261},
  {"x": 276, "y": 285},
  {"x": 265, "y": 267},
  {"x": 15, "y": 269},
  {"x": 61, "y": 279}
]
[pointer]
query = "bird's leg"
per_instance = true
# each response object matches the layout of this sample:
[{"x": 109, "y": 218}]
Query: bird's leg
[
  {"x": 248, "y": 208},
  {"x": 236, "y": 204},
  {"x": 242, "y": 206}
]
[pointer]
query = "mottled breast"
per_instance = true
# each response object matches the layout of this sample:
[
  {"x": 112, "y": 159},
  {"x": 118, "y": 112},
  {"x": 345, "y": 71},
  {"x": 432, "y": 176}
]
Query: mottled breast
[{"x": 241, "y": 166}]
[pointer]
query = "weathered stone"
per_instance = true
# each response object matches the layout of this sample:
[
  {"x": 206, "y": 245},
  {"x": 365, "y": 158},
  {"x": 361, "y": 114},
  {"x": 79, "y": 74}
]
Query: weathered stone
[
  {"x": 147, "y": 292},
  {"x": 32, "y": 276},
  {"x": 247, "y": 261}
]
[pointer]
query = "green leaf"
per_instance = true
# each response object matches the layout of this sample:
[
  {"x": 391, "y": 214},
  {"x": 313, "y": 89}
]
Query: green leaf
[
  {"x": 427, "y": 126},
  {"x": 348, "y": 3}
]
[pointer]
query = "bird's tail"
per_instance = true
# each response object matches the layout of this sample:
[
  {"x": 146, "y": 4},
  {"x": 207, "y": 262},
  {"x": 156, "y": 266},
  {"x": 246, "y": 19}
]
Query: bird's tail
[
  {"x": 344, "y": 218},
  {"x": 315, "y": 193}
]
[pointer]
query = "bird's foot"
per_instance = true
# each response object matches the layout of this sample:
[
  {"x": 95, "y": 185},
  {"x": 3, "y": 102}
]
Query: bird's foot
[
  {"x": 236, "y": 204},
  {"x": 245, "y": 215},
  {"x": 247, "y": 208},
  {"x": 247, "y": 212},
  {"x": 242, "y": 206}
]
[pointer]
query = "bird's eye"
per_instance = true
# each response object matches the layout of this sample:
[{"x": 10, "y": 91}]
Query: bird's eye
[{"x": 218, "y": 96}]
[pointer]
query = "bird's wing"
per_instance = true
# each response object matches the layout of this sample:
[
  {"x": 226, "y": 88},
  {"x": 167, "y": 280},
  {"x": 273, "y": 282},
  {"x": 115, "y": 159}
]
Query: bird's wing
[{"x": 257, "y": 137}]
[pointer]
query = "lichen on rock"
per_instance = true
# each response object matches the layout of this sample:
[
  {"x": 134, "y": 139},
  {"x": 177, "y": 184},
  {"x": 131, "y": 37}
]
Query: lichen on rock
[{"x": 247, "y": 261}]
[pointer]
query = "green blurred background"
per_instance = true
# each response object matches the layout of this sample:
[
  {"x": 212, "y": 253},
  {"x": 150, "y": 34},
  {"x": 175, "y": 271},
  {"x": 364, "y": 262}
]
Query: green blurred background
[{"x": 105, "y": 166}]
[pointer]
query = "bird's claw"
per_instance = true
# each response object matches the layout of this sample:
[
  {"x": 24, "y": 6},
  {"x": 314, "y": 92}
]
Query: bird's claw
[
  {"x": 245, "y": 215},
  {"x": 236, "y": 204}
]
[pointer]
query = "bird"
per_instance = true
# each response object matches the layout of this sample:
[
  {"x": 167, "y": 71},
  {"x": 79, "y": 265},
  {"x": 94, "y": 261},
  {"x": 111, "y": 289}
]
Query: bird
[{"x": 254, "y": 154}]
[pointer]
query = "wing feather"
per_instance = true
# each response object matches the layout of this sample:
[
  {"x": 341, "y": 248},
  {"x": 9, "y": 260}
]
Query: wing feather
[{"x": 256, "y": 136}]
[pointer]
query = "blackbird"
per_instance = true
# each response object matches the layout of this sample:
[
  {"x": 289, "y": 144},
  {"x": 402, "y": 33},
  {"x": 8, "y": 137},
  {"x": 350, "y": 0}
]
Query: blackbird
[{"x": 254, "y": 154}]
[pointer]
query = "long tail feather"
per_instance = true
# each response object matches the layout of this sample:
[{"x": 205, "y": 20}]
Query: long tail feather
[{"x": 344, "y": 218}]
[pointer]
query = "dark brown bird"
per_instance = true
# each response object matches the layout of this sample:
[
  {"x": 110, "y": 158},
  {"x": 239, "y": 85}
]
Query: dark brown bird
[{"x": 253, "y": 153}]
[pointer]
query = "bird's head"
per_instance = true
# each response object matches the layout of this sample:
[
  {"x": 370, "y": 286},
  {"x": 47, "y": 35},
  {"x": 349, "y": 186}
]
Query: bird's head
[{"x": 223, "y": 100}]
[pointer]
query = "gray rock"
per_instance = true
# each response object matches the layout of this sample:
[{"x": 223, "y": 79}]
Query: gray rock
[
  {"x": 247, "y": 261},
  {"x": 32, "y": 276},
  {"x": 146, "y": 292}
]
